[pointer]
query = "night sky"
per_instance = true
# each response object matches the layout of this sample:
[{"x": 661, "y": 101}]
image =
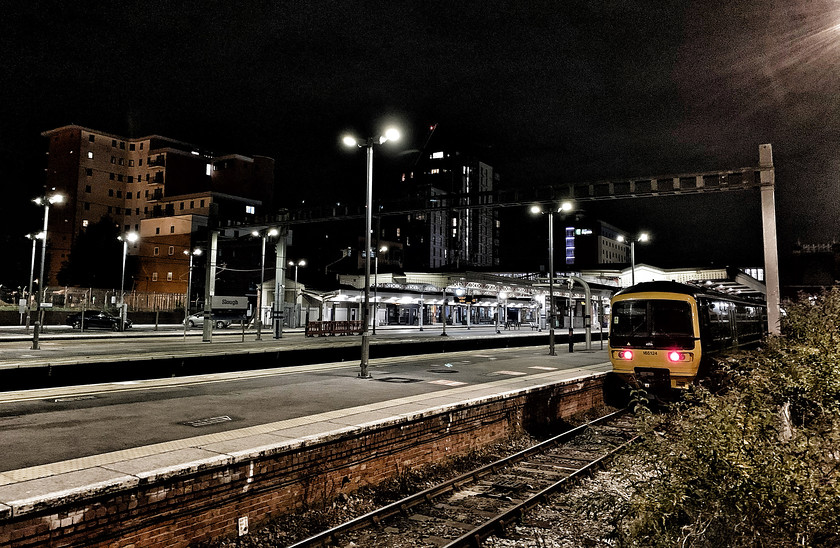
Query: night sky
[{"x": 550, "y": 91}]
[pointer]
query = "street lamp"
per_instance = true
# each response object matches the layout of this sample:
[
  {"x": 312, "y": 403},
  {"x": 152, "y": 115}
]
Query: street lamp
[
  {"x": 500, "y": 297},
  {"x": 391, "y": 134},
  {"x": 301, "y": 262},
  {"x": 195, "y": 253},
  {"x": 265, "y": 233},
  {"x": 565, "y": 207},
  {"x": 130, "y": 237},
  {"x": 45, "y": 201},
  {"x": 34, "y": 238},
  {"x": 382, "y": 249},
  {"x": 642, "y": 237},
  {"x": 458, "y": 293}
]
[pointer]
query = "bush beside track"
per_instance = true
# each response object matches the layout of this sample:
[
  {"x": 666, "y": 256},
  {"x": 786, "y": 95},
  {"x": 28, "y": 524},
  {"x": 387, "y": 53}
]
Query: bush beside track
[{"x": 755, "y": 464}]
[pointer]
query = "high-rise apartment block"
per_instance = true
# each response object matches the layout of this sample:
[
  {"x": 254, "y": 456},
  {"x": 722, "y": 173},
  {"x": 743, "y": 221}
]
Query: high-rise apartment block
[
  {"x": 159, "y": 187},
  {"x": 460, "y": 227}
]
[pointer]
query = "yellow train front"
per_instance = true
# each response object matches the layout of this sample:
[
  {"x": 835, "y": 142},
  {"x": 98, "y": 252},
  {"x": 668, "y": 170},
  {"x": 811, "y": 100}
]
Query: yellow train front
[{"x": 662, "y": 333}]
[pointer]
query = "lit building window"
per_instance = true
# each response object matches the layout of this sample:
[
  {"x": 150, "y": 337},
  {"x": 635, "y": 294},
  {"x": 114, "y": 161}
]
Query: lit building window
[
  {"x": 84, "y": 222},
  {"x": 250, "y": 209},
  {"x": 90, "y": 155},
  {"x": 154, "y": 276},
  {"x": 168, "y": 276},
  {"x": 208, "y": 170}
]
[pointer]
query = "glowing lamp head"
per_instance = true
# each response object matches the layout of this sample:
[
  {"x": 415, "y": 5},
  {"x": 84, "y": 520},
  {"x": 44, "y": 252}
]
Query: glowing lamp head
[
  {"x": 273, "y": 232},
  {"x": 391, "y": 134},
  {"x": 566, "y": 207},
  {"x": 349, "y": 141},
  {"x": 132, "y": 237},
  {"x": 536, "y": 210}
]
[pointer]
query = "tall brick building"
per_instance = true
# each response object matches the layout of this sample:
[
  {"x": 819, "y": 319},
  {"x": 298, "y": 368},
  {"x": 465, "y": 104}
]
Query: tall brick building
[{"x": 159, "y": 187}]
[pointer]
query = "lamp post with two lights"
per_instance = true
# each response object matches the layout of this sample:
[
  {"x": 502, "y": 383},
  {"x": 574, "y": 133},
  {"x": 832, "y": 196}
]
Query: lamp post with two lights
[
  {"x": 194, "y": 253},
  {"x": 565, "y": 207},
  {"x": 131, "y": 237},
  {"x": 642, "y": 238},
  {"x": 45, "y": 201},
  {"x": 263, "y": 234},
  {"x": 383, "y": 249},
  {"x": 391, "y": 134},
  {"x": 297, "y": 264},
  {"x": 34, "y": 238}
]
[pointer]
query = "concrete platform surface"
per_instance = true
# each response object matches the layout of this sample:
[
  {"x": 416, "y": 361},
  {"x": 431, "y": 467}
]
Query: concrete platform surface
[{"x": 410, "y": 387}]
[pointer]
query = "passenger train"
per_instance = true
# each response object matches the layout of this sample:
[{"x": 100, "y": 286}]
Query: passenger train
[{"x": 663, "y": 333}]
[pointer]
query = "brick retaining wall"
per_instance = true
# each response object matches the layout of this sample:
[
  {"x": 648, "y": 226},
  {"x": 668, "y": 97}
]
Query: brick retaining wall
[{"x": 202, "y": 501}]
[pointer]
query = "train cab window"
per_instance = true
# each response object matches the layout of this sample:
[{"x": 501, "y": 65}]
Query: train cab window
[{"x": 636, "y": 321}]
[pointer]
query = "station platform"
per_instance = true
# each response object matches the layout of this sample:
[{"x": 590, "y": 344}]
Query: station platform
[{"x": 330, "y": 429}]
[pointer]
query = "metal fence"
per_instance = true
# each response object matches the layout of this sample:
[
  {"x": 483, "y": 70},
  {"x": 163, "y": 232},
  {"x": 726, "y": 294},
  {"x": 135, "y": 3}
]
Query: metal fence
[{"x": 103, "y": 299}]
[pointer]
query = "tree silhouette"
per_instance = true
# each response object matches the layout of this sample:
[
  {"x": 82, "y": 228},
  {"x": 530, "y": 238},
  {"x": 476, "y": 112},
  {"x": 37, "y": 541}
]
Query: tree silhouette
[{"x": 96, "y": 258}]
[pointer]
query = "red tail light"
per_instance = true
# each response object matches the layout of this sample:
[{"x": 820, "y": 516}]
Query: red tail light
[
  {"x": 625, "y": 354},
  {"x": 675, "y": 356}
]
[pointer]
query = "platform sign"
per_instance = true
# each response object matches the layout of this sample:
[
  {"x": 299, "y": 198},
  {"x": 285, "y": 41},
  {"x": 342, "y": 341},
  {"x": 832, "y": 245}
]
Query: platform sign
[
  {"x": 22, "y": 306},
  {"x": 230, "y": 303}
]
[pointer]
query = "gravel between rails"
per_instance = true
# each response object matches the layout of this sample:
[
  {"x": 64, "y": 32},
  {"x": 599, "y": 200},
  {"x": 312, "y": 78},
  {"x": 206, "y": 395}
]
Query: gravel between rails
[{"x": 551, "y": 525}]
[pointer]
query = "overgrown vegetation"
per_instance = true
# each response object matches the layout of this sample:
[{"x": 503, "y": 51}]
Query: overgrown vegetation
[{"x": 754, "y": 465}]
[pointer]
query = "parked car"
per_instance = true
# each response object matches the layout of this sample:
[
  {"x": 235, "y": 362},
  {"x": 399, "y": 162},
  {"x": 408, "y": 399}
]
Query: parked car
[
  {"x": 198, "y": 319},
  {"x": 96, "y": 319}
]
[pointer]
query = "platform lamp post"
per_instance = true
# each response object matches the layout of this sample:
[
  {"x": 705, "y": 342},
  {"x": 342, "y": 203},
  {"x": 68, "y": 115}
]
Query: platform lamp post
[
  {"x": 297, "y": 264},
  {"x": 459, "y": 292},
  {"x": 391, "y": 134},
  {"x": 565, "y": 207},
  {"x": 383, "y": 249},
  {"x": 263, "y": 235},
  {"x": 194, "y": 253},
  {"x": 34, "y": 238},
  {"x": 45, "y": 201},
  {"x": 499, "y": 299},
  {"x": 642, "y": 237},
  {"x": 131, "y": 237}
]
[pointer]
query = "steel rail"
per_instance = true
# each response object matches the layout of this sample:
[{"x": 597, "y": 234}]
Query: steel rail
[
  {"x": 402, "y": 506},
  {"x": 498, "y": 523}
]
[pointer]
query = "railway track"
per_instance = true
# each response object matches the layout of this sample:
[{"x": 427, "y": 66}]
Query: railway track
[{"x": 469, "y": 508}]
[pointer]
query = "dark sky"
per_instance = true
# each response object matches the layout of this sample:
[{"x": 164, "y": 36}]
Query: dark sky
[{"x": 553, "y": 91}]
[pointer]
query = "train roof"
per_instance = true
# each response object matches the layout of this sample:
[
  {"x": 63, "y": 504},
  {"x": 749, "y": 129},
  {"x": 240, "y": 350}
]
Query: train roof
[{"x": 683, "y": 289}]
